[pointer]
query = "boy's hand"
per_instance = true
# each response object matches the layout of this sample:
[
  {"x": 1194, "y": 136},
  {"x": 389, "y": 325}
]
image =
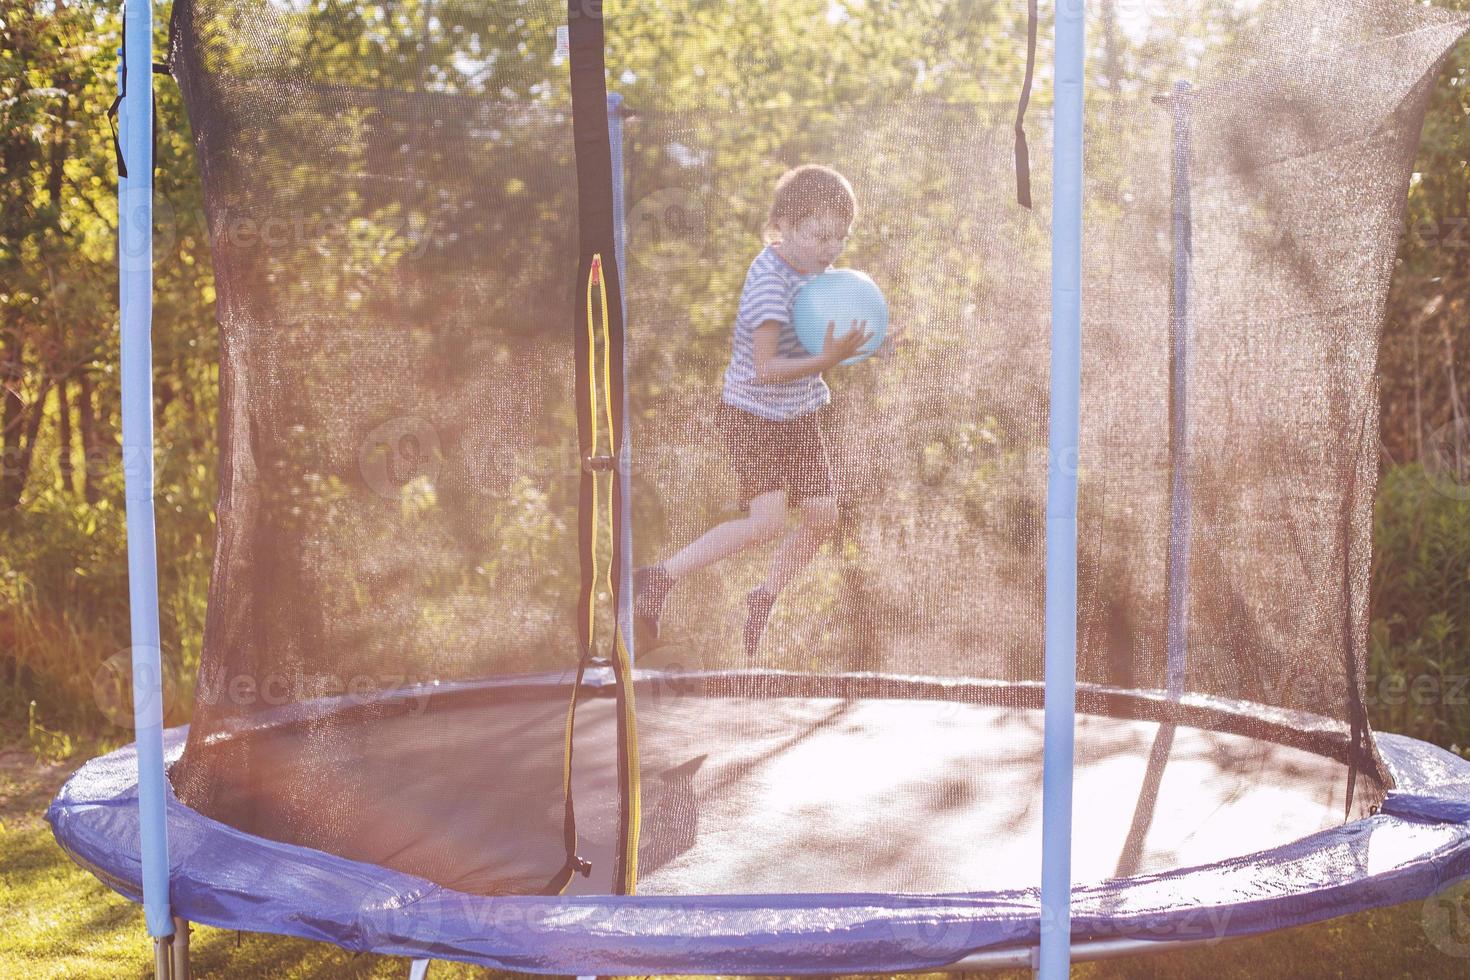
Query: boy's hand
[
  {"x": 837, "y": 349},
  {"x": 890, "y": 343}
]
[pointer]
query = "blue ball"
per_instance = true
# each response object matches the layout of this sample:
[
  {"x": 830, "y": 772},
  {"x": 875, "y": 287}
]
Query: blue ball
[{"x": 842, "y": 295}]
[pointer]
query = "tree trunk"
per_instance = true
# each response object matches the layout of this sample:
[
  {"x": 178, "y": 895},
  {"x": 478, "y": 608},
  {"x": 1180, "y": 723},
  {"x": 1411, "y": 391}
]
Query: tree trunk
[
  {"x": 92, "y": 449},
  {"x": 12, "y": 419},
  {"x": 1418, "y": 322},
  {"x": 56, "y": 165},
  {"x": 1112, "y": 67},
  {"x": 1447, "y": 332},
  {"x": 35, "y": 412},
  {"x": 64, "y": 438}
]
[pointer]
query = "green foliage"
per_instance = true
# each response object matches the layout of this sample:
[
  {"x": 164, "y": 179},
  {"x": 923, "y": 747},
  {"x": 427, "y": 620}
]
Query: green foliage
[
  {"x": 1424, "y": 355},
  {"x": 63, "y": 589},
  {"x": 1419, "y": 651},
  {"x": 845, "y": 64},
  {"x": 63, "y": 583},
  {"x": 58, "y": 921}
]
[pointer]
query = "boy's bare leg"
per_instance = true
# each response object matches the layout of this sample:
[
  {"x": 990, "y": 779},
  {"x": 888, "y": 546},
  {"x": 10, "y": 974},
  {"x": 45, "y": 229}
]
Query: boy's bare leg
[
  {"x": 797, "y": 548},
  {"x": 651, "y": 586},
  {"x": 767, "y": 519},
  {"x": 801, "y": 543}
]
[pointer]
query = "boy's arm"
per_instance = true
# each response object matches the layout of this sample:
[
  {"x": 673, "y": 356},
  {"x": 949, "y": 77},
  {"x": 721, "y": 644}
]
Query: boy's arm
[{"x": 771, "y": 368}]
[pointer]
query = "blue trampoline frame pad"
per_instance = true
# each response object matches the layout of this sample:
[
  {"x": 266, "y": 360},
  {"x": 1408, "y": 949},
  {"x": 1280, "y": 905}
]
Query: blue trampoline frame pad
[{"x": 1416, "y": 844}]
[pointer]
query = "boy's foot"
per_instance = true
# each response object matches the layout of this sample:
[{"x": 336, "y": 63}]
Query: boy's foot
[
  {"x": 651, "y": 585},
  {"x": 757, "y": 610}
]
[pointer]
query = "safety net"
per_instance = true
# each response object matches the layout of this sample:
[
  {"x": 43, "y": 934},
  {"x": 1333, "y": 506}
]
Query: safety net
[{"x": 550, "y": 557}]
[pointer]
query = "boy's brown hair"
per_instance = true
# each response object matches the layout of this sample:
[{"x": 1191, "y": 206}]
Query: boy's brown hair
[{"x": 806, "y": 191}]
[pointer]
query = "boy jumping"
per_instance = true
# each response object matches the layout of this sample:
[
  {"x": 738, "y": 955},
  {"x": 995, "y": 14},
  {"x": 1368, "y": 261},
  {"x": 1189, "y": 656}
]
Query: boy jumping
[{"x": 774, "y": 406}]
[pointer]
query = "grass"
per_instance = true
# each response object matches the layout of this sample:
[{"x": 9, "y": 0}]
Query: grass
[{"x": 57, "y": 921}]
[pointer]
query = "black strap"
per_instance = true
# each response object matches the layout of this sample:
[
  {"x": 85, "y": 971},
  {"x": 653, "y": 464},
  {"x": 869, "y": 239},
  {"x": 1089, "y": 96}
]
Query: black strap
[
  {"x": 595, "y": 227},
  {"x": 122, "y": 164},
  {"x": 1023, "y": 152},
  {"x": 159, "y": 68},
  {"x": 1361, "y": 754},
  {"x": 575, "y": 864}
]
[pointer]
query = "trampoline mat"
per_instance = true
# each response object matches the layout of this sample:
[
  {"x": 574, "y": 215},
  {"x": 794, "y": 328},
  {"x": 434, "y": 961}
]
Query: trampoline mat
[{"x": 777, "y": 795}]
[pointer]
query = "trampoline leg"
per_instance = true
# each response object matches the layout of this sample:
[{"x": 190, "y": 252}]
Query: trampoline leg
[
  {"x": 418, "y": 970},
  {"x": 1035, "y": 962},
  {"x": 180, "y": 944},
  {"x": 163, "y": 957}
]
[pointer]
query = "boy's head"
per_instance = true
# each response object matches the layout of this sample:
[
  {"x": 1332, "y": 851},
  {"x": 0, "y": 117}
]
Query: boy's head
[{"x": 811, "y": 213}]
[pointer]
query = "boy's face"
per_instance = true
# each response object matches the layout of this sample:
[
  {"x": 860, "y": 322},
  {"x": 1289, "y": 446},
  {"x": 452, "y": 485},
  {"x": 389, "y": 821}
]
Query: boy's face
[{"x": 815, "y": 242}]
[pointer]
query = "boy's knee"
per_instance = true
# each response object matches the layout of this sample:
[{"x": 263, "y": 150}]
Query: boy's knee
[
  {"x": 768, "y": 516},
  {"x": 820, "y": 514},
  {"x": 768, "y": 525}
]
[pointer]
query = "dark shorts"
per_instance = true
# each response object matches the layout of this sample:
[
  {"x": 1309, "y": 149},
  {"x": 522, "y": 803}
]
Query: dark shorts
[{"x": 791, "y": 455}]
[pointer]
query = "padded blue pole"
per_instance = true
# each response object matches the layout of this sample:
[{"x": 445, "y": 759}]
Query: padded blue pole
[
  {"x": 135, "y": 298},
  {"x": 1061, "y": 496},
  {"x": 620, "y": 226},
  {"x": 1177, "y": 636},
  {"x": 625, "y": 461}
]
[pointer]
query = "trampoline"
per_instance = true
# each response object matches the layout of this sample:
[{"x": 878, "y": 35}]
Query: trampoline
[
  {"x": 1080, "y": 668},
  {"x": 1201, "y": 824}
]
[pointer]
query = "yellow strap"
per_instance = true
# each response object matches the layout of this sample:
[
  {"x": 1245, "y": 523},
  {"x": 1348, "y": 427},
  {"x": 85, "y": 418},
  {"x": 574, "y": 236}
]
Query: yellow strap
[
  {"x": 607, "y": 404},
  {"x": 634, "y": 788},
  {"x": 597, "y": 307},
  {"x": 620, "y": 650},
  {"x": 594, "y": 281},
  {"x": 566, "y": 765}
]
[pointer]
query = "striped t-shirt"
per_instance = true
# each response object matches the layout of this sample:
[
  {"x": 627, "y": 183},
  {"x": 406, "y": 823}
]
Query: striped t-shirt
[{"x": 770, "y": 290}]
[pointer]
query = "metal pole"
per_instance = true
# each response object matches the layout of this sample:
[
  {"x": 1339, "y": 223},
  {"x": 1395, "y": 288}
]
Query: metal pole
[
  {"x": 620, "y": 227},
  {"x": 1024, "y": 957},
  {"x": 1053, "y": 962},
  {"x": 180, "y": 943},
  {"x": 625, "y": 461},
  {"x": 135, "y": 297},
  {"x": 163, "y": 957},
  {"x": 1177, "y": 635}
]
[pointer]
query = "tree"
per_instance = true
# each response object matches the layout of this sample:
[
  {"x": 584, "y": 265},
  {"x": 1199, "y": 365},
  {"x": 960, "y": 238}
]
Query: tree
[{"x": 1424, "y": 354}]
